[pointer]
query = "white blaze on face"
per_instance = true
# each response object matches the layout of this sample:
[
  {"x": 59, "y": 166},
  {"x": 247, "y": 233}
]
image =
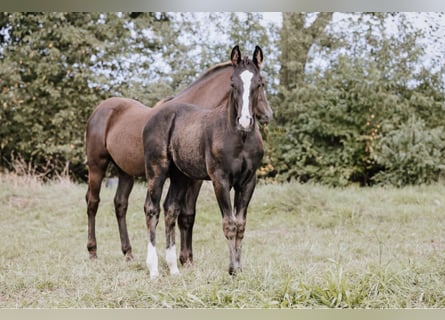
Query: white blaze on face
[
  {"x": 152, "y": 261},
  {"x": 246, "y": 118}
]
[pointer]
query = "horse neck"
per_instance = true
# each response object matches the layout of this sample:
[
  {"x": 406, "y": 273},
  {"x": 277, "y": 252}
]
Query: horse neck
[{"x": 210, "y": 90}]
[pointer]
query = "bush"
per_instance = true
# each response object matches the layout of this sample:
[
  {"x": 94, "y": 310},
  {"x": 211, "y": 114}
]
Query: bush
[
  {"x": 412, "y": 154},
  {"x": 351, "y": 125}
]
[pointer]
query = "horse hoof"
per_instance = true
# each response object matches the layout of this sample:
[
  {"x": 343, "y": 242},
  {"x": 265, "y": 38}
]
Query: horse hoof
[
  {"x": 186, "y": 262},
  {"x": 154, "y": 276},
  {"x": 175, "y": 272},
  {"x": 129, "y": 257},
  {"x": 93, "y": 256},
  {"x": 234, "y": 271}
]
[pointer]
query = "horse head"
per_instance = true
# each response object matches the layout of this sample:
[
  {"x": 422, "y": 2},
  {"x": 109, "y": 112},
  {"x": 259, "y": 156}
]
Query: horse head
[{"x": 248, "y": 93}]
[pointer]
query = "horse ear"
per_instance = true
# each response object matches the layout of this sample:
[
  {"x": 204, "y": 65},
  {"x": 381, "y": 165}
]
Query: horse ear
[
  {"x": 235, "y": 56},
  {"x": 258, "y": 57}
]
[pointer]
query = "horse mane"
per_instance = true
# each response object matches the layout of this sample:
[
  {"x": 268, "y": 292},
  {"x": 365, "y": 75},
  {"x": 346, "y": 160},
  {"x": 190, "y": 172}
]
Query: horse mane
[
  {"x": 205, "y": 75},
  {"x": 211, "y": 70},
  {"x": 208, "y": 73},
  {"x": 163, "y": 101}
]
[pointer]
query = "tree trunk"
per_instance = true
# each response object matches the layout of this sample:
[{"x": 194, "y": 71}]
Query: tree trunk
[{"x": 296, "y": 42}]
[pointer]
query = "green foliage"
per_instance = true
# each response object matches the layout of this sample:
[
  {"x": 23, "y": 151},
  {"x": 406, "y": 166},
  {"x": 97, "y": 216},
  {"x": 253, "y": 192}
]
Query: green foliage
[
  {"x": 128, "y": 64},
  {"x": 411, "y": 154},
  {"x": 343, "y": 94},
  {"x": 54, "y": 69},
  {"x": 326, "y": 126},
  {"x": 296, "y": 41},
  {"x": 46, "y": 97}
]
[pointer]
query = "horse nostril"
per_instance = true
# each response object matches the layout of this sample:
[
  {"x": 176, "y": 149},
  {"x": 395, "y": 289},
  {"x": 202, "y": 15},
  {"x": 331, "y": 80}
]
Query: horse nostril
[
  {"x": 245, "y": 122},
  {"x": 268, "y": 116}
]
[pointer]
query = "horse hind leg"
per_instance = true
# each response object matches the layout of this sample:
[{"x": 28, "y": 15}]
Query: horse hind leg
[
  {"x": 96, "y": 173},
  {"x": 186, "y": 221},
  {"x": 121, "y": 205},
  {"x": 152, "y": 211},
  {"x": 172, "y": 209}
]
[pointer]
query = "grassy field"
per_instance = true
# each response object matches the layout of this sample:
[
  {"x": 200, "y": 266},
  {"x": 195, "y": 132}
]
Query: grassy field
[{"x": 306, "y": 246}]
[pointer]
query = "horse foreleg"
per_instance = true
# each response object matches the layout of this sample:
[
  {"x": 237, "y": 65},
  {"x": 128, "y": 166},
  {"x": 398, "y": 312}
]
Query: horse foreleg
[
  {"x": 222, "y": 192},
  {"x": 230, "y": 230},
  {"x": 243, "y": 195},
  {"x": 121, "y": 204},
  {"x": 186, "y": 221}
]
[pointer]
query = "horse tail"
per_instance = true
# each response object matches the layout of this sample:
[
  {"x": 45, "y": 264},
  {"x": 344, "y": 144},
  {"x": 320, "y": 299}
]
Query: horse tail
[
  {"x": 97, "y": 125},
  {"x": 97, "y": 128}
]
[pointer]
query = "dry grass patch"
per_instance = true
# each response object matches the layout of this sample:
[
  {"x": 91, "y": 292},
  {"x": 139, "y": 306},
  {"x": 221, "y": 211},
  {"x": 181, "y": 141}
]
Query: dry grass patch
[{"x": 305, "y": 246}]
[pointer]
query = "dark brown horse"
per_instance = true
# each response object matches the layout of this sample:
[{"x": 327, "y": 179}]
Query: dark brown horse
[
  {"x": 113, "y": 135},
  {"x": 187, "y": 142}
]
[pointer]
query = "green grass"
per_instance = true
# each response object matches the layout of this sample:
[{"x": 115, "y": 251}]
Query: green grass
[{"x": 305, "y": 246}]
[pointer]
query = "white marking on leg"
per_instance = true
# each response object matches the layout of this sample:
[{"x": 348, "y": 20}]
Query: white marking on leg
[
  {"x": 152, "y": 261},
  {"x": 245, "y": 119},
  {"x": 172, "y": 261}
]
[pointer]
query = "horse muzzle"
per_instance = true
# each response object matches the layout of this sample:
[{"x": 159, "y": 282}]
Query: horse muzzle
[
  {"x": 245, "y": 123},
  {"x": 265, "y": 118}
]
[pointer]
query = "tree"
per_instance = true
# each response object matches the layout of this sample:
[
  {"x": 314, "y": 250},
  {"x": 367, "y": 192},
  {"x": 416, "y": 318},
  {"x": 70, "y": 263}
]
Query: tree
[
  {"x": 135, "y": 62},
  {"x": 332, "y": 122},
  {"x": 48, "y": 85},
  {"x": 56, "y": 67},
  {"x": 297, "y": 38},
  {"x": 44, "y": 72}
]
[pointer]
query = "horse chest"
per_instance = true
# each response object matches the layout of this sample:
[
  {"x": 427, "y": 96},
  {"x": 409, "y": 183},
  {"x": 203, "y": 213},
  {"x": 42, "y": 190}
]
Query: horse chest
[
  {"x": 239, "y": 167},
  {"x": 244, "y": 162},
  {"x": 239, "y": 159}
]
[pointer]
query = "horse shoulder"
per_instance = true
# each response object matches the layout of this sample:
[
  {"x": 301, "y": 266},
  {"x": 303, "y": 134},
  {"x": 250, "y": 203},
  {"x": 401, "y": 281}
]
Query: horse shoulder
[{"x": 254, "y": 148}]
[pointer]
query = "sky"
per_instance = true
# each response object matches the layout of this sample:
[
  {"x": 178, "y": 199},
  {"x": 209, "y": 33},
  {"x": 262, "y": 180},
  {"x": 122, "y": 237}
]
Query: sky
[
  {"x": 435, "y": 42},
  {"x": 433, "y": 23}
]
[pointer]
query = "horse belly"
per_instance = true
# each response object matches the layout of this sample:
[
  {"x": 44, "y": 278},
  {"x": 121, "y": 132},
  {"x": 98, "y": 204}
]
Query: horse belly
[
  {"x": 130, "y": 159},
  {"x": 188, "y": 157},
  {"x": 124, "y": 143}
]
